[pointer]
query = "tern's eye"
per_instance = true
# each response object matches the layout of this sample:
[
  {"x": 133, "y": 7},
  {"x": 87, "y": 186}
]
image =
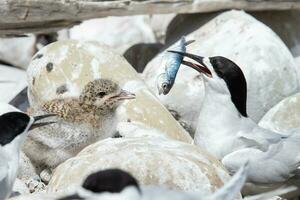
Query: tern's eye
[{"x": 101, "y": 94}]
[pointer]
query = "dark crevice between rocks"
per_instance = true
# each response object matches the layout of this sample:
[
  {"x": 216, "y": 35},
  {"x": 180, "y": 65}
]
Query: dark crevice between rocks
[
  {"x": 21, "y": 101},
  {"x": 117, "y": 135},
  {"x": 140, "y": 54}
]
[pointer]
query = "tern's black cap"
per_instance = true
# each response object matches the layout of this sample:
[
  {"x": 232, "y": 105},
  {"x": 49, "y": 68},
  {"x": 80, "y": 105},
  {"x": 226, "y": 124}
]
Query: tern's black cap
[
  {"x": 111, "y": 180},
  {"x": 235, "y": 80},
  {"x": 12, "y": 124}
]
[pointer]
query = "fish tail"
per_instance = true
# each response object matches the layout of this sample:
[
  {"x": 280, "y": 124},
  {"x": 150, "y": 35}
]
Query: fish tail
[
  {"x": 186, "y": 42},
  {"x": 189, "y": 42}
]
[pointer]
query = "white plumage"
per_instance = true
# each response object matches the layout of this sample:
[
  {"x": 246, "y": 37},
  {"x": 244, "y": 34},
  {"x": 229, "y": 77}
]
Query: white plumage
[{"x": 226, "y": 131}]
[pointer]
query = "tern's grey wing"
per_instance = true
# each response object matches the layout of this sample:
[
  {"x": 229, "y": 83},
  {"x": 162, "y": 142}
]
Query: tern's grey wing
[
  {"x": 232, "y": 189},
  {"x": 260, "y": 138}
]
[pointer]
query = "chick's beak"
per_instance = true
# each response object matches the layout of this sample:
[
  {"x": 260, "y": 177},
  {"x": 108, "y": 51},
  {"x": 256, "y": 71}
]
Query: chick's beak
[
  {"x": 200, "y": 66},
  {"x": 124, "y": 95},
  {"x": 40, "y": 117}
]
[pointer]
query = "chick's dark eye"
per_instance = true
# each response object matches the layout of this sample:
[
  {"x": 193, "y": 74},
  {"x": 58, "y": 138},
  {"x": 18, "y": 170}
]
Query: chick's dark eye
[{"x": 101, "y": 94}]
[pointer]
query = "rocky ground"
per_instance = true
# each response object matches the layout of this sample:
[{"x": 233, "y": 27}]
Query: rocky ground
[{"x": 265, "y": 44}]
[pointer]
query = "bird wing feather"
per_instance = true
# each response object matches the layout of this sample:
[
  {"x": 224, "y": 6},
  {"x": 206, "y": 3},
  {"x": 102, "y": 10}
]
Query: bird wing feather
[
  {"x": 260, "y": 138},
  {"x": 232, "y": 189}
]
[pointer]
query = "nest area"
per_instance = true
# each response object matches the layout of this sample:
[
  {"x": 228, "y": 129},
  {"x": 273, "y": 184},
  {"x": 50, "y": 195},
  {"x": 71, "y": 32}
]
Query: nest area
[{"x": 48, "y": 51}]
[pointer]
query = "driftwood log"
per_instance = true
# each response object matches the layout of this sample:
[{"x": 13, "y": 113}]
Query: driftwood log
[{"x": 36, "y": 16}]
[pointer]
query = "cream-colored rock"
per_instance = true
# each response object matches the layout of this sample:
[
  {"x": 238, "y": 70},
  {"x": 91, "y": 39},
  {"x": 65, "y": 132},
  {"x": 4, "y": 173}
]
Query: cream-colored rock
[
  {"x": 119, "y": 33},
  {"x": 266, "y": 62},
  {"x": 73, "y": 65},
  {"x": 152, "y": 160},
  {"x": 17, "y": 51},
  {"x": 12, "y": 81},
  {"x": 284, "y": 116}
]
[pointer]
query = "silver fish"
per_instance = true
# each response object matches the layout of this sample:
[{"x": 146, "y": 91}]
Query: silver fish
[{"x": 171, "y": 63}]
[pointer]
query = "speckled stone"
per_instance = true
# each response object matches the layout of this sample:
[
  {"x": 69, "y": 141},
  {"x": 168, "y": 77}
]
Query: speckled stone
[{"x": 152, "y": 160}]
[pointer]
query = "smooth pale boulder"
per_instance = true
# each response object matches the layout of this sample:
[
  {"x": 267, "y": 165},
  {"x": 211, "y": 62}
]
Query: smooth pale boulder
[
  {"x": 266, "y": 62},
  {"x": 153, "y": 160},
  {"x": 119, "y": 33},
  {"x": 12, "y": 81},
  {"x": 17, "y": 51},
  {"x": 283, "y": 117}
]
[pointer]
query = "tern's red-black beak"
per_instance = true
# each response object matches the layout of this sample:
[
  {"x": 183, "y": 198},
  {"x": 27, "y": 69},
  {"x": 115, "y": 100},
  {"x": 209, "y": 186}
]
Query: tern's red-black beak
[
  {"x": 40, "y": 117},
  {"x": 200, "y": 66}
]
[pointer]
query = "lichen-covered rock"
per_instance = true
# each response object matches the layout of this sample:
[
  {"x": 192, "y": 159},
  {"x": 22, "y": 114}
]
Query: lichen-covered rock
[
  {"x": 283, "y": 117},
  {"x": 12, "y": 81},
  {"x": 266, "y": 62},
  {"x": 152, "y": 160},
  {"x": 73, "y": 64},
  {"x": 17, "y": 51},
  {"x": 119, "y": 33}
]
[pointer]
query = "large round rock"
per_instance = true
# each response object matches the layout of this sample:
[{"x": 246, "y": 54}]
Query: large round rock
[
  {"x": 283, "y": 117},
  {"x": 266, "y": 62},
  {"x": 119, "y": 33},
  {"x": 152, "y": 160}
]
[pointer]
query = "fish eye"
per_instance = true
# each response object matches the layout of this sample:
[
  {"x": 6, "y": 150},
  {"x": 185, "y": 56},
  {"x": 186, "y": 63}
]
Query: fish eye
[
  {"x": 101, "y": 94},
  {"x": 165, "y": 86}
]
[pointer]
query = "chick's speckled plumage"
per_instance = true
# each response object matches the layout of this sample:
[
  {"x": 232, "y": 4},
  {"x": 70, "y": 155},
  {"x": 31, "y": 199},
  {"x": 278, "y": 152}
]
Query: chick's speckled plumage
[
  {"x": 93, "y": 102},
  {"x": 81, "y": 121}
]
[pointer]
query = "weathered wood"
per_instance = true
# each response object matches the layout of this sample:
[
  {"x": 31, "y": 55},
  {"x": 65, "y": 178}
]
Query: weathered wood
[{"x": 23, "y": 16}]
